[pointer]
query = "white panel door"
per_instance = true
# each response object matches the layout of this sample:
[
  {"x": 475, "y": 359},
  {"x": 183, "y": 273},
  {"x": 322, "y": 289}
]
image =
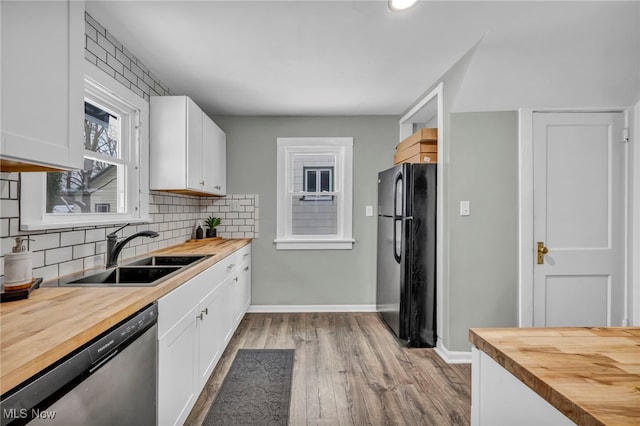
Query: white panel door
[{"x": 578, "y": 168}]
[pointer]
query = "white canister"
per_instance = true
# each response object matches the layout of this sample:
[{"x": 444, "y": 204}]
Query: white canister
[{"x": 18, "y": 272}]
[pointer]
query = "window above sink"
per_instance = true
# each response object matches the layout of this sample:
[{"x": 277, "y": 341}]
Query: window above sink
[{"x": 113, "y": 187}]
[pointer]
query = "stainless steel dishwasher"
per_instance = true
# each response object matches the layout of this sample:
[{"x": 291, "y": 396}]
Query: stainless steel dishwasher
[{"x": 109, "y": 381}]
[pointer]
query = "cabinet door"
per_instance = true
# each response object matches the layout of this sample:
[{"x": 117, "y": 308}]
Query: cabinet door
[
  {"x": 194, "y": 146},
  {"x": 178, "y": 386},
  {"x": 227, "y": 313},
  {"x": 245, "y": 288},
  {"x": 211, "y": 333},
  {"x": 42, "y": 55},
  {"x": 214, "y": 157}
]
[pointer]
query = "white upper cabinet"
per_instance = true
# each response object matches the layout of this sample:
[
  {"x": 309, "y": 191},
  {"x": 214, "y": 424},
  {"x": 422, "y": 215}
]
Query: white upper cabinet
[
  {"x": 187, "y": 149},
  {"x": 41, "y": 89},
  {"x": 214, "y": 172}
]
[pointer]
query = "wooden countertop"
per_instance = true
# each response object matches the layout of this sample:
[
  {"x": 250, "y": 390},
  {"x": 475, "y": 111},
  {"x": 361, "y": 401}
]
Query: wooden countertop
[
  {"x": 54, "y": 321},
  {"x": 591, "y": 375}
]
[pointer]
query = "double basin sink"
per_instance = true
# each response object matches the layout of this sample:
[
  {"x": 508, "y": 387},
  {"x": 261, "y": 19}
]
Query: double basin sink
[{"x": 147, "y": 272}]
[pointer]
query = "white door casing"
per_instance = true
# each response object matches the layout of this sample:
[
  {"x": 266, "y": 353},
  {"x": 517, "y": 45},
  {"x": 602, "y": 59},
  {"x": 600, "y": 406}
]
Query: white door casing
[{"x": 577, "y": 167}]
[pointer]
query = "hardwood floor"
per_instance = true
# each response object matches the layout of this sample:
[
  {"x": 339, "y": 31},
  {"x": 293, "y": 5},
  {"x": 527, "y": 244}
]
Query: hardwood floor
[{"x": 350, "y": 370}]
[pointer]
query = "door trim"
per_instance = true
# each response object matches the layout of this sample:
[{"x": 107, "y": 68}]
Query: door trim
[{"x": 525, "y": 205}]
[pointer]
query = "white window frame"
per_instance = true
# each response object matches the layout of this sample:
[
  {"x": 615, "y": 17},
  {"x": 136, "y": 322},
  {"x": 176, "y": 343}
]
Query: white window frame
[
  {"x": 342, "y": 148},
  {"x": 33, "y": 185}
]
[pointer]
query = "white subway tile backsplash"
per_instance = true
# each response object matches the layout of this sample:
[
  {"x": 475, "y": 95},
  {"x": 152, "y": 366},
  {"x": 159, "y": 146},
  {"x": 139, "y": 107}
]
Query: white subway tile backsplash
[
  {"x": 101, "y": 247},
  {"x": 47, "y": 272},
  {"x": 4, "y": 227},
  {"x": 13, "y": 190},
  {"x": 58, "y": 255},
  {"x": 9, "y": 208},
  {"x": 67, "y": 268},
  {"x": 4, "y": 189},
  {"x": 95, "y": 235},
  {"x": 71, "y": 238},
  {"x": 84, "y": 250},
  {"x": 44, "y": 241},
  {"x": 37, "y": 259},
  {"x": 93, "y": 261}
]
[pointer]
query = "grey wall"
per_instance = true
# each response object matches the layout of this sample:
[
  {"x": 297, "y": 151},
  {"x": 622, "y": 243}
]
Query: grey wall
[
  {"x": 310, "y": 277},
  {"x": 483, "y": 247}
]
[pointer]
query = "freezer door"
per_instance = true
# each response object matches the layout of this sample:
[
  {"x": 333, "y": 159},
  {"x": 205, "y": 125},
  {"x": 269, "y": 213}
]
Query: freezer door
[{"x": 389, "y": 273}]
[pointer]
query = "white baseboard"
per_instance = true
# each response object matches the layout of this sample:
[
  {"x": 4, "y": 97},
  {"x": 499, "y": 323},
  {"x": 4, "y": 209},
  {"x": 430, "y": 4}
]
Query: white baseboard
[
  {"x": 452, "y": 357},
  {"x": 310, "y": 308}
]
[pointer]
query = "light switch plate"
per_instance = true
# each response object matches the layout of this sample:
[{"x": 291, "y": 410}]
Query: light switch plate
[
  {"x": 464, "y": 208},
  {"x": 369, "y": 210}
]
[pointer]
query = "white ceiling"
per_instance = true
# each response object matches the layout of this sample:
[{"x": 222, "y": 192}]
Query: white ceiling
[{"x": 359, "y": 58}]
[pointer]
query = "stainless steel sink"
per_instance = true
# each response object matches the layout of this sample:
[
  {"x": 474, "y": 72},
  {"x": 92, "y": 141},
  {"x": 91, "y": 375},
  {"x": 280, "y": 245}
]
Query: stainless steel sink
[{"x": 147, "y": 272}]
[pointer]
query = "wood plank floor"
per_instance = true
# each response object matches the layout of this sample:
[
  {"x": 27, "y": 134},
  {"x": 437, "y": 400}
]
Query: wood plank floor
[{"x": 350, "y": 370}]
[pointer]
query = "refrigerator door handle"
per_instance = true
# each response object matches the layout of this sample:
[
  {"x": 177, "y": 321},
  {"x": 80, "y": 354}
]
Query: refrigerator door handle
[
  {"x": 398, "y": 178},
  {"x": 397, "y": 251}
]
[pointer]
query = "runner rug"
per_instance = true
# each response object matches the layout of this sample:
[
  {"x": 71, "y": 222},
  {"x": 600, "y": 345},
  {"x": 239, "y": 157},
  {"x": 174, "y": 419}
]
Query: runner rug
[{"x": 256, "y": 390}]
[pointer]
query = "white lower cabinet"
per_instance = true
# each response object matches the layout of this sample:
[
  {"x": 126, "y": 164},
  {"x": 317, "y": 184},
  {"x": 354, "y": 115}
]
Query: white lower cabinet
[
  {"x": 195, "y": 323},
  {"x": 213, "y": 325},
  {"x": 177, "y": 364},
  {"x": 242, "y": 285}
]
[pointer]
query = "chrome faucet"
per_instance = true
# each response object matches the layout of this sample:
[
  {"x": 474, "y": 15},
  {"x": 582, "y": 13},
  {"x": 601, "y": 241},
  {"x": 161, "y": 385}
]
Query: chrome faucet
[{"x": 114, "y": 247}]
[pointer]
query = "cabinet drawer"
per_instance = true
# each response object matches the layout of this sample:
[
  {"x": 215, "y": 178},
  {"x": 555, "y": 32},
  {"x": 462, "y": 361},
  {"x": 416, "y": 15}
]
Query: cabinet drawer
[
  {"x": 176, "y": 304},
  {"x": 243, "y": 256}
]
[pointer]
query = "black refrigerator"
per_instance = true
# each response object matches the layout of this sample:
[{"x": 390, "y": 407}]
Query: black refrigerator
[{"x": 406, "y": 273}]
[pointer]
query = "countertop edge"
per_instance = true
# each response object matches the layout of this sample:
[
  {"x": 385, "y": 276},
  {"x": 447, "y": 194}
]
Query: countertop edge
[{"x": 566, "y": 406}]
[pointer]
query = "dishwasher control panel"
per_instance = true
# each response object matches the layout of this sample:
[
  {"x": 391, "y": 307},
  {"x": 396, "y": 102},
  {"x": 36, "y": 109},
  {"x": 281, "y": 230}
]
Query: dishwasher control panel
[{"x": 123, "y": 333}]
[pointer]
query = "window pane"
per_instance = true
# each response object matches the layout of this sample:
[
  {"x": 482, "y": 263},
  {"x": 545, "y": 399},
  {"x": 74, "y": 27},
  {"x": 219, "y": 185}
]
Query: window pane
[
  {"x": 92, "y": 190},
  {"x": 314, "y": 217},
  {"x": 101, "y": 130},
  {"x": 325, "y": 180},
  {"x": 310, "y": 183},
  {"x": 303, "y": 162}
]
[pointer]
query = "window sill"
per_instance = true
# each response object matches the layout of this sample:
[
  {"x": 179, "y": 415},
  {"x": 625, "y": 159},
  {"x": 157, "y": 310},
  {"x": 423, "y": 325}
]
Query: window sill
[
  {"x": 71, "y": 224},
  {"x": 314, "y": 244}
]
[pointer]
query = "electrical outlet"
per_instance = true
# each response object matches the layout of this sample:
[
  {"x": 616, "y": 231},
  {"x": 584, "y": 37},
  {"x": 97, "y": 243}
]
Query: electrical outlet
[{"x": 234, "y": 205}]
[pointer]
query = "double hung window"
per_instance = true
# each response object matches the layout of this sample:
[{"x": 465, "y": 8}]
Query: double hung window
[
  {"x": 314, "y": 193},
  {"x": 111, "y": 188}
]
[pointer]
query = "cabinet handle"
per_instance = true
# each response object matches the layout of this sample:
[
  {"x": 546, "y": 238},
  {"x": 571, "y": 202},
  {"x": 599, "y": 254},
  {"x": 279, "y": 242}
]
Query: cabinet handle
[
  {"x": 217, "y": 187},
  {"x": 236, "y": 279},
  {"x": 202, "y": 182},
  {"x": 206, "y": 311},
  {"x": 231, "y": 265},
  {"x": 246, "y": 268},
  {"x": 199, "y": 316},
  {"x": 245, "y": 255}
]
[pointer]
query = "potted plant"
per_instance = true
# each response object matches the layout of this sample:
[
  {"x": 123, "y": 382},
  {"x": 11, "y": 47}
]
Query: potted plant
[{"x": 211, "y": 223}]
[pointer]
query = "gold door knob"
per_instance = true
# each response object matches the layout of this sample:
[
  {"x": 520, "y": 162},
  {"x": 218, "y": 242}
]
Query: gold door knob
[{"x": 542, "y": 250}]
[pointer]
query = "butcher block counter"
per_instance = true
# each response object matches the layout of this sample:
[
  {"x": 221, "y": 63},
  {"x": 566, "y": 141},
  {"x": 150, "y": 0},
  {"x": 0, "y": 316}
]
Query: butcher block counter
[
  {"x": 54, "y": 321},
  {"x": 590, "y": 375}
]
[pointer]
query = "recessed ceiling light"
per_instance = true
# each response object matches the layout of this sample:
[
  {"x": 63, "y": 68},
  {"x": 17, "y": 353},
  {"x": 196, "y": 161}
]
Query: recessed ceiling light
[{"x": 398, "y": 5}]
